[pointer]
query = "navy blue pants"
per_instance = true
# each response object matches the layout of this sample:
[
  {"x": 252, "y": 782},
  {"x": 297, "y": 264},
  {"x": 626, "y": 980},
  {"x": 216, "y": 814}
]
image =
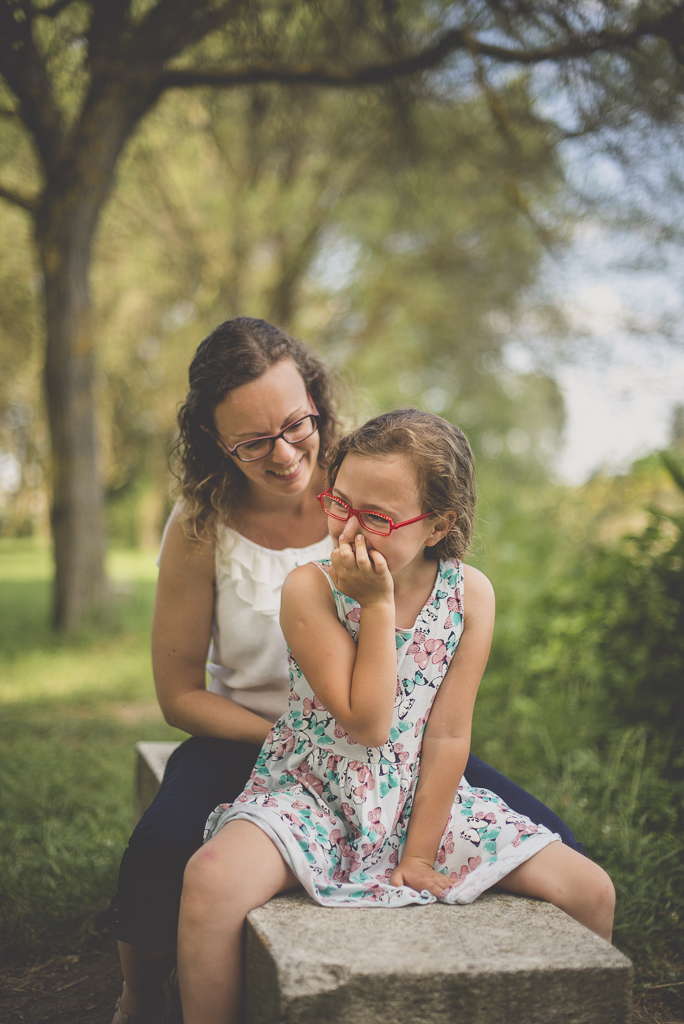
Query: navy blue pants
[{"x": 201, "y": 774}]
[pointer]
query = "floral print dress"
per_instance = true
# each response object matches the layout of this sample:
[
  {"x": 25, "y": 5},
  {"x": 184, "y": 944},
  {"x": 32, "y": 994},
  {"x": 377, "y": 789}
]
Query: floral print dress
[{"x": 338, "y": 812}]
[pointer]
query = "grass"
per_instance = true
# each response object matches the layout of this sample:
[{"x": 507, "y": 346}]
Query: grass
[{"x": 71, "y": 710}]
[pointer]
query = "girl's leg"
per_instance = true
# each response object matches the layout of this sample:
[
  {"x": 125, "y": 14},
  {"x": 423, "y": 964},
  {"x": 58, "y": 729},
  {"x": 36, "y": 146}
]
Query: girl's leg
[
  {"x": 571, "y": 882},
  {"x": 480, "y": 775},
  {"x": 236, "y": 871},
  {"x": 201, "y": 773}
]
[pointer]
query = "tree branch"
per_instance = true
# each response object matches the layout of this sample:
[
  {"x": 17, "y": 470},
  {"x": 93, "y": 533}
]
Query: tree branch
[
  {"x": 580, "y": 46},
  {"x": 26, "y": 202},
  {"x": 451, "y": 42},
  {"x": 251, "y": 74},
  {"x": 25, "y": 72}
]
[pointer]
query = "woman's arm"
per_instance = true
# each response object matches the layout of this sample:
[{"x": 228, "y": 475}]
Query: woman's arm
[
  {"x": 181, "y": 631},
  {"x": 446, "y": 742},
  {"x": 356, "y": 683}
]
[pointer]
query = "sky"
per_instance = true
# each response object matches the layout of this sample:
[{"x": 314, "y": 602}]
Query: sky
[
  {"x": 621, "y": 370},
  {"x": 618, "y": 412},
  {"x": 620, "y": 288}
]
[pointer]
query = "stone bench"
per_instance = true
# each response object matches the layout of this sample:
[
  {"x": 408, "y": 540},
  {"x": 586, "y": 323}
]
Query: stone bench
[{"x": 500, "y": 960}]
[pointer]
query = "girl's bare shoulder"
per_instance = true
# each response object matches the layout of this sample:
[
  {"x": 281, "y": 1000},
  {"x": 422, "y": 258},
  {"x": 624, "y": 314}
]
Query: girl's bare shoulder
[
  {"x": 478, "y": 591},
  {"x": 307, "y": 600},
  {"x": 306, "y": 580}
]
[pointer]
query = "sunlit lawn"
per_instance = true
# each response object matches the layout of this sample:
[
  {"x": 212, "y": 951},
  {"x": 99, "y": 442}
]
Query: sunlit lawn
[{"x": 71, "y": 710}]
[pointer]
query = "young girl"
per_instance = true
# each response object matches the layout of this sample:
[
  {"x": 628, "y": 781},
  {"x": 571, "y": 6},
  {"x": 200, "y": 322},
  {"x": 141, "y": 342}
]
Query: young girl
[{"x": 358, "y": 793}]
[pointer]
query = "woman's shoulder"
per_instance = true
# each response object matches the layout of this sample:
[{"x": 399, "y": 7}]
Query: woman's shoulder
[{"x": 183, "y": 554}]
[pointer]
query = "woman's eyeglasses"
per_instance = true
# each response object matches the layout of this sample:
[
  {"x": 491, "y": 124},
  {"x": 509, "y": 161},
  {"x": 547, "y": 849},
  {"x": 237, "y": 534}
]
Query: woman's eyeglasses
[
  {"x": 374, "y": 522},
  {"x": 260, "y": 447}
]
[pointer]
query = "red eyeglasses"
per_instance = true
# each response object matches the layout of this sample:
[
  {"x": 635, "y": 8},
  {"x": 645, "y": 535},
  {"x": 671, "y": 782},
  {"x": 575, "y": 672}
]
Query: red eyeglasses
[{"x": 374, "y": 522}]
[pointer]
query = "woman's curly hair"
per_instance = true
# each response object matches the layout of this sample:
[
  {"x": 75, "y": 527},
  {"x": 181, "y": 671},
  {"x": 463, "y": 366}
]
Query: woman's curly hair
[
  {"x": 443, "y": 461},
  {"x": 210, "y": 486}
]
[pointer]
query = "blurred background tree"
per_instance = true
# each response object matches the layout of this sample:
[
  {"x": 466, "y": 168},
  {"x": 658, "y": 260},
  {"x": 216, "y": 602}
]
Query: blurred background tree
[{"x": 79, "y": 76}]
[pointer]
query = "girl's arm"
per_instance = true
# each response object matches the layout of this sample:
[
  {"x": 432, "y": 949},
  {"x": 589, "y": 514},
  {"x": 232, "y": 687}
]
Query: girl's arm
[
  {"x": 181, "y": 631},
  {"x": 446, "y": 742},
  {"x": 356, "y": 683}
]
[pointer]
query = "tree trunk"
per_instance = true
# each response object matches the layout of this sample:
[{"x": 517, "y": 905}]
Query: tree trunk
[
  {"x": 76, "y": 190},
  {"x": 78, "y": 529},
  {"x": 77, "y": 506}
]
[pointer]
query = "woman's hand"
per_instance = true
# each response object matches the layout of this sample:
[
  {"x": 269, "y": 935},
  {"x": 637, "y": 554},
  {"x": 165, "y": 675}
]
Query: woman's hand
[
  {"x": 419, "y": 875},
  {"x": 362, "y": 575}
]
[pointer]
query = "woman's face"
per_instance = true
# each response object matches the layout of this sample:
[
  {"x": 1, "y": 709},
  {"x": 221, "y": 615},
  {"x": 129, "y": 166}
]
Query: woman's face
[{"x": 264, "y": 407}]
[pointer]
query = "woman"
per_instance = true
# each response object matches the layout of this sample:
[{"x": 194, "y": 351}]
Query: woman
[{"x": 253, "y": 432}]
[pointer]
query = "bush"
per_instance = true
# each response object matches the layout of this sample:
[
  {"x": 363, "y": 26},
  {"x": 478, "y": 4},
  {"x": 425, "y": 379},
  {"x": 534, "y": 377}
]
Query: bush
[{"x": 585, "y": 688}]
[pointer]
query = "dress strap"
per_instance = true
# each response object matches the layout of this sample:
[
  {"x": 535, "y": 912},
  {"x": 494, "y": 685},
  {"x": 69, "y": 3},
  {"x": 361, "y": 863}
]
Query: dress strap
[
  {"x": 347, "y": 608},
  {"x": 325, "y": 569}
]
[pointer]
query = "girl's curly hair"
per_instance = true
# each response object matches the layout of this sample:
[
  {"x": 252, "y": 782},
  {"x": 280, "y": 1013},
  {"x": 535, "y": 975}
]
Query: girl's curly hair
[
  {"x": 443, "y": 461},
  {"x": 210, "y": 485}
]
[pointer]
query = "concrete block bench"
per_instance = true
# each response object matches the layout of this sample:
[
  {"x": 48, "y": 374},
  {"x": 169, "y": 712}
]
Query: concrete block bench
[{"x": 500, "y": 960}]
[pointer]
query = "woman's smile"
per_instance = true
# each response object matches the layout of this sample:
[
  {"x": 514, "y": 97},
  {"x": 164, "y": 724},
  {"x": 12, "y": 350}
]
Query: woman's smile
[{"x": 290, "y": 471}]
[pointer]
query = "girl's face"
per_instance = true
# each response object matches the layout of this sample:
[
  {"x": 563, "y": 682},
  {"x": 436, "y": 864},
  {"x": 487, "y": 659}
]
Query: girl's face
[
  {"x": 264, "y": 407},
  {"x": 388, "y": 485}
]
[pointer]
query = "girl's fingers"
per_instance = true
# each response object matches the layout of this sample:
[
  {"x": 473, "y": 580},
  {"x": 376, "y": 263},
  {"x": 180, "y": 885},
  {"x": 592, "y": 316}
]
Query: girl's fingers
[
  {"x": 361, "y": 552},
  {"x": 379, "y": 562},
  {"x": 434, "y": 882},
  {"x": 435, "y": 889},
  {"x": 346, "y": 553}
]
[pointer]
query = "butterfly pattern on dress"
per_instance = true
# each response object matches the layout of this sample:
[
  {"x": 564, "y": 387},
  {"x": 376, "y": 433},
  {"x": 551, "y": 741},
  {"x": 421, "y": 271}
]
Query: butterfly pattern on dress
[{"x": 339, "y": 812}]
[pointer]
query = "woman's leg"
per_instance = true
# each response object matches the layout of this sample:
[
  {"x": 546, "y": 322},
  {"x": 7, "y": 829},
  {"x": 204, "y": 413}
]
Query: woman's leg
[
  {"x": 571, "y": 882},
  {"x": 201, "y": 773},
  {"x": 482, "y": 776},
  {"x": 144, "y": 975},
  {"x": 236, "y": 871}
]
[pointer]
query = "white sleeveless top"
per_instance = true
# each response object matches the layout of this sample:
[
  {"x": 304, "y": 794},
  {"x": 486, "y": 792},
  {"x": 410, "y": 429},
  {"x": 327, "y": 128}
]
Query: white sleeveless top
[{"x": 248, "y": 654}]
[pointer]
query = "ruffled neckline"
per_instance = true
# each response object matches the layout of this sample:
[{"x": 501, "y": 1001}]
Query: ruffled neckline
[
  {"x": 238, "y": 539},
  {"x": 259, "y": 572}
]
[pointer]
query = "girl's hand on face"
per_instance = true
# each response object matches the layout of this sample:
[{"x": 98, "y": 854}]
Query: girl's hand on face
[
  {"x": 419, "y": 875},
  {"x": 362, "y": 574}
]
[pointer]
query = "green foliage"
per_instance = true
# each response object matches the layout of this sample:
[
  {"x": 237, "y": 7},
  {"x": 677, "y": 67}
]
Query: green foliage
[
  {"x": 621, "y": 805},
  {"x": 582, "y": 700},
  {"x": 604, "y": 632}
]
